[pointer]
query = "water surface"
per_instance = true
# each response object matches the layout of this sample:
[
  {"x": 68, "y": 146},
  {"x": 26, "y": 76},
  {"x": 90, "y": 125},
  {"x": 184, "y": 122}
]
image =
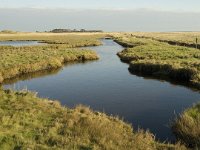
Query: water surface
[
  {"x": 19, "y": 43},
  {"x": 106, "y": 85}
]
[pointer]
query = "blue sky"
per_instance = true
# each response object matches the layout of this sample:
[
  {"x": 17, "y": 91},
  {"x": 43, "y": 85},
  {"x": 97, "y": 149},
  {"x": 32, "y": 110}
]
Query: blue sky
[
  {"x": 107, "y": 15},
  {"x": 166, "y": 5}
]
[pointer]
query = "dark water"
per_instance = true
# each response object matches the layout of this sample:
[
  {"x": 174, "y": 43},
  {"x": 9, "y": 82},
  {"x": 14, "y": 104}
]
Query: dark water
[
  {"x": 106, "y": 85},
  {"x": 19, "y": 43}
]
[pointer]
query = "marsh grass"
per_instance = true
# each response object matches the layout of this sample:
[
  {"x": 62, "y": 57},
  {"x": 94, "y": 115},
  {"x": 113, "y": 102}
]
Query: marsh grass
[
  {"x": 29, "y": 122},
  {"x": 154, "y": 58},
  {"x": 61, "y": 48},
  {"x": 187, "y": 39},
  {"x": 20, "y": 60},
  {"x": 162, "y": 60},
  {"x": 71, "y": 40},
  {"x": 187, "y": 127}
]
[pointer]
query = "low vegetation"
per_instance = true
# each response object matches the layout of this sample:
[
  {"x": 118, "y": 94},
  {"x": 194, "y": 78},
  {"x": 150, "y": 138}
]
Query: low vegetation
[
  {"x": 161, "y": 60},
  {"x": 70, "y": 39},
  {"x": 188, "y": 39},
  {"x": 29, "y": 122},
  {"x": 20, "y": 60},
  {"x": 59, "y": 50},
  {"x": 187, "y": 127},
  {"x": 33, "y": 75}
]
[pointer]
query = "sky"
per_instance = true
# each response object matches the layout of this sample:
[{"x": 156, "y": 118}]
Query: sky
[
  {"x": 108, "y": 15},
  {"x": 174, "y": 5}
]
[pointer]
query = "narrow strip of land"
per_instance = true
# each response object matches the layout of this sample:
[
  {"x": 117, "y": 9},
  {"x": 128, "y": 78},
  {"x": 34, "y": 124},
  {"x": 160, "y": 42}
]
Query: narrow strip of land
[
  {"x": 59, "y": 50},
  {"x": 161, "y": 60}
]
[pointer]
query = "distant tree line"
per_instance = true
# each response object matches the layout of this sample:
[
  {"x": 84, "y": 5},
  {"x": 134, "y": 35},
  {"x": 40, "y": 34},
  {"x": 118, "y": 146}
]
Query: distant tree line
[
  {"x": 8, "y": 31},
  {"x": 74, "y": 30}
]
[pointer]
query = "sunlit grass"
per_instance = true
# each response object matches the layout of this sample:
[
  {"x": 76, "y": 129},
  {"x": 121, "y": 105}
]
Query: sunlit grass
[
  {"x": 59, "y": 50},
  {"x": 187, "y": 127},
  {"x": 187, "y": 38},
  {"x": 20, "y": 60},
  {"x": 180, "y": 63},
  {"x": 161, "y": 59},
  {"x": 29, "y": 122},
  {"x": 70, "y": 39}
]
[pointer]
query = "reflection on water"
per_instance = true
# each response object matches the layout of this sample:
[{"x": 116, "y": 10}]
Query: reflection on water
[
  {"x": 165, "y": 79},
  {"x": 29, "y": 76},
  {"x": 107, "y": 85},
  {"x": 40, "y": 74}
]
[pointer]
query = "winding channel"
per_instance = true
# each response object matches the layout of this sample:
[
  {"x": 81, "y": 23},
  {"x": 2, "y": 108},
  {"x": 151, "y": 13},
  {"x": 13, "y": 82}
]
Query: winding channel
[{"x": 107, "y": 85}]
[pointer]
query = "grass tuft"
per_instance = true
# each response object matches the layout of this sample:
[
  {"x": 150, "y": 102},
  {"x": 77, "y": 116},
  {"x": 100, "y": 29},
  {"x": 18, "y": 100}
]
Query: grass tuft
[{"x": 187, "y": 127}]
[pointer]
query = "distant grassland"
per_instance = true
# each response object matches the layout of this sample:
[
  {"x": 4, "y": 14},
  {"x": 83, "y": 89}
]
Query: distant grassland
[
  {"x": 159, "y": 59},
  {"x": 174, "y": 38},
  {"x": 29, "y": 122},
  {"x": 70, "y": 39},
  {"x": 62, "y": 48}
]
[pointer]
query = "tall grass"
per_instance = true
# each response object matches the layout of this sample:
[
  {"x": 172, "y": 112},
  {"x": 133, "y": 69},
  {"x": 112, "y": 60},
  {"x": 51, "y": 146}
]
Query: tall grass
[
  {"x": 29, "y": 122},
  {"x": 187, "y": 127}
]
